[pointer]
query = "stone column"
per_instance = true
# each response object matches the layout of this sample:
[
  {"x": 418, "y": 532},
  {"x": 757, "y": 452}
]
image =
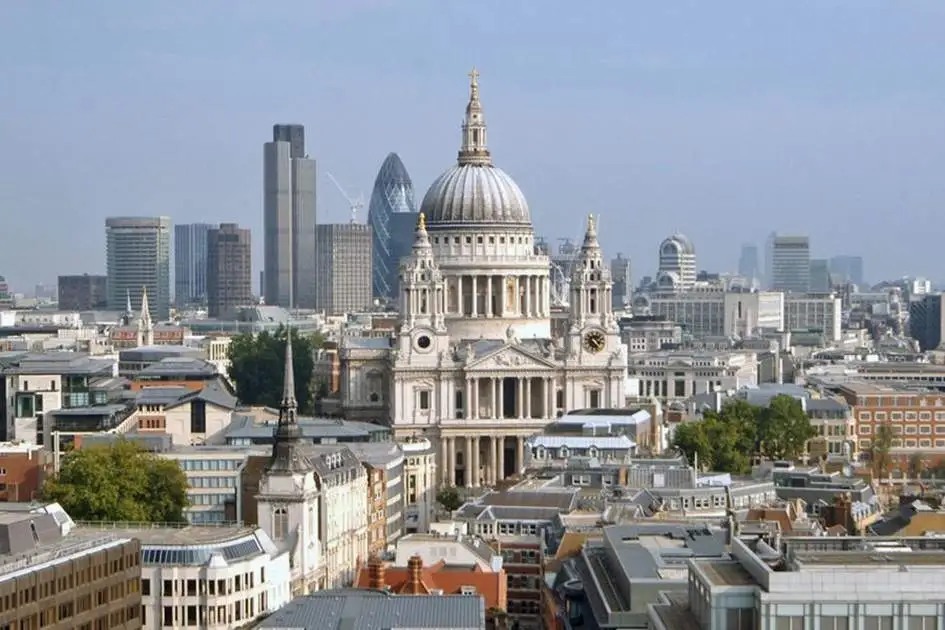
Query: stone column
[
  {"x": 468, "y": 461},
  {"x": 475, "y": 297},
  {"x": 528, "y": 397},
  {"x": 500, "y": 445},
  {"x": 528, "y": 296},
  {"x": 495, "y": 399},
  {"x": 444, "y": 461},
  {"x": 451, "y": 468},
  {"x": 519, "y": 454},
  {"x": 493, "y": 460},
  {"x": 489, "y": 307},
  {"x": 468, "y": 400},
  {"x": 520, "y": 406},
  {"x": 475, "y": 462}
]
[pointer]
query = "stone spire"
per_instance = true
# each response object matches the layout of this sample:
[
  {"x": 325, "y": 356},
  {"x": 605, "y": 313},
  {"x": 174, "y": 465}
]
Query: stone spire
[
  {"x": 474, "y": 149},
  {"x": 145, "y": 326},
  {"x": 128, "y": 311},
  {"x": 287, "y": 456},
  {"x": 421, "y": 243}
]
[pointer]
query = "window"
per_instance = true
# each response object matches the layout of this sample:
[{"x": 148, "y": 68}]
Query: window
[
  {"x": 834, "y": 622},
  {"x": 925, "y": 429},
  {"x": 198, "y": 416},
  {"x": 878, "y": 622},
  {"x": 593, "y": 398},
  {"x": 145, "y": 586},
  {"x": 280, "y": 523},
  {"x": 794, "y": 622},
  {"x": 922, "y": 622},
  {"x": 168, "y": 588},
  {"x": 865, "y": 429},
  {"x": 424, "y": 400},
  {"x": 168, "y": 616}
]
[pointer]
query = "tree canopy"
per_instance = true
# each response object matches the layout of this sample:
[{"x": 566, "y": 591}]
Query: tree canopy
[
  {"x": 879, "y": 450},
  {"x": 119, "y": 482},
  {"x": 726, "y": 441},
  {"x": 257, "y": 367},
  {"x": 449, "y": 498}
]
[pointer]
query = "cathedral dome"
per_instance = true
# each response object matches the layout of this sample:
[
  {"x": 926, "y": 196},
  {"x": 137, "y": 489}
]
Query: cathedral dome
[{"x": 474, "y": 192}]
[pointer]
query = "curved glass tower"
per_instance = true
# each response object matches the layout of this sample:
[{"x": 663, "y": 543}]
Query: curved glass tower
[{"x": 393, "y": 216}]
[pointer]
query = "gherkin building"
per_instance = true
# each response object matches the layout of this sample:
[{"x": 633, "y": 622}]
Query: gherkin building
[{"x": 392, "y": 215}]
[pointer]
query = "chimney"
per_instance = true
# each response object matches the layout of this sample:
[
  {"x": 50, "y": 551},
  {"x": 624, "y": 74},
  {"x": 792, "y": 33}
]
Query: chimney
[
  {"x": 414, "y": 579},
  {"x": 376, "y": 573}
]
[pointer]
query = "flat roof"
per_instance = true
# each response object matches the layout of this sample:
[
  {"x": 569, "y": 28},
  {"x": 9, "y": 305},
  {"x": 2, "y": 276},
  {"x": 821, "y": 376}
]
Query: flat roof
[
  {"x": 169, "y": 535},
  {"x": 725, "y": 572},
  {"x": 879, "y": 557}
]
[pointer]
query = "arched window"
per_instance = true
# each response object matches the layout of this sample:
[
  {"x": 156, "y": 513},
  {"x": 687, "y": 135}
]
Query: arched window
[{"x": 280, "y": 524}]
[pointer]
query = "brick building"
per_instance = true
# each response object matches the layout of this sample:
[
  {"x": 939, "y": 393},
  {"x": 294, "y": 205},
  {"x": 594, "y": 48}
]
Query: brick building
[{"x": 23, "y": 468}]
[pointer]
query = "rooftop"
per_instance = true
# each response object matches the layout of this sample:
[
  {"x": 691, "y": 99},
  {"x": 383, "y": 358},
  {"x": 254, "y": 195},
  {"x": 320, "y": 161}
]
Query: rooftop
[
  {"x": 725, "y": 572},
  {"x": 355, "y": 609},
  {"x": 246, "y": 427},
  {"x": 168, "y": 534},
  {"x": 178, "y": 366},
  {"x": 62, "y": 363}
]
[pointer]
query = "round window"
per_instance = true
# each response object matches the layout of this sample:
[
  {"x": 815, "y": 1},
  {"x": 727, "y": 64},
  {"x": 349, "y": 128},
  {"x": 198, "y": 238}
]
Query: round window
[{"x": 423, "y": 342}]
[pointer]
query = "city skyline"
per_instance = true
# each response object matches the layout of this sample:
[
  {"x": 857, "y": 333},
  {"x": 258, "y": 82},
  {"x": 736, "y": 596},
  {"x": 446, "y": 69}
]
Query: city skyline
[{"x": 661, "y": 134}]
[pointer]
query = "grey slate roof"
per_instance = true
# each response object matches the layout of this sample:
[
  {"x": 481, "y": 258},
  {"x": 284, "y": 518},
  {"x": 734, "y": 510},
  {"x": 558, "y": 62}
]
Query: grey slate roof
[
  {"x": 213, "y": 393},
  {"x": 54, "y": 363},
  {"x": 174, "y": 366},
  {"x": 362, "y": 609},
  {"x": 244, "y": 427}
]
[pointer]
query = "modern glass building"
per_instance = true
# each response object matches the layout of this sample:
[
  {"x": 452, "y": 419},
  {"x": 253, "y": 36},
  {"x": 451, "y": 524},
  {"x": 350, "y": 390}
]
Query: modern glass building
[
  {"x": 392, "y": 215},
  {"x": 190, "y": 263},
  {"x": 138, "y": 254}
]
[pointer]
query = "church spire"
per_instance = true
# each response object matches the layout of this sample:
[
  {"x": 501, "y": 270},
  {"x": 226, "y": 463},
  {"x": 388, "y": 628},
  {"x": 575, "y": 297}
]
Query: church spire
[
  {"x": 591, "y": 244},
  {"x": 421, "y": 243},
  {"x": 474, "y": 149},
  {"x": 286, "y": 454}
]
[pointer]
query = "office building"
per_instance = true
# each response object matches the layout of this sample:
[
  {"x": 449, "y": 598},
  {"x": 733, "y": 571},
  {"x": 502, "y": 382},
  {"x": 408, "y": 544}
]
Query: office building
[
  {"x": 926, "y": 321},
  {"x": 190, "y": 263},
  {"x": 848, "y": 269},
  {"x": 83, "y": 293},
  {"x": 229, "y": 269},
  {"x": 344, "y": 267},
  {"x": 677, "y": 264},
  {"x": 138, "y": 257},
  {"x": 288, "y": 220},
  {"x": 392, "y": 216},
  {"x": 716, "y": 312},
  {"x": 748, "y": 265},
  {"x": 6, "y": 298},
  {"x": 52, "y": 576},
  {"x": 819, "y": 313},
  {"x": 790, "y": 264},
  {"x": 820, "y": 279},
  {"x": 620, "y": 272}
]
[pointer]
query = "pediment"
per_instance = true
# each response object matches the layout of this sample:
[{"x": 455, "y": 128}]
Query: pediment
[{"x": 510, "y": 357}]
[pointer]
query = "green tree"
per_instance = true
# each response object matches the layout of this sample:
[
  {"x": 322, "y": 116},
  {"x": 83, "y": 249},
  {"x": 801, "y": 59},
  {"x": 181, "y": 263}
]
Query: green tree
[
  {"x": 879, "y": 450},
  {"x": 257, "y": 367},
  {"x": 784, "y": 428},
  {"x": 916, "y": 465},
  {"x": 119, "y": 482},
  {"x": 727, "y": 438},
  {"x": 692, "y": 440},
  {"x": 449, "y": 498}
]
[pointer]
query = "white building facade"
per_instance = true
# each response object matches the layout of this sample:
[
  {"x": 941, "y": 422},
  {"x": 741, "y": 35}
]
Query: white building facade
[{"x": 474, "y": 366}]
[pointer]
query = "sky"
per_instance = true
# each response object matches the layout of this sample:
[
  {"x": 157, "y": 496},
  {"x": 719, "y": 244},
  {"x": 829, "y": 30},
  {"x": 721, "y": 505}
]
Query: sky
[{"x": 721, "y": 120}]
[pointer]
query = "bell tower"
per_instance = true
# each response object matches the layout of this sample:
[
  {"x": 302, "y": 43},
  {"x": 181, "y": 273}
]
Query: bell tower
[
  {"x": 593, "y": 327},
  {"x": 422, "y": 301}
]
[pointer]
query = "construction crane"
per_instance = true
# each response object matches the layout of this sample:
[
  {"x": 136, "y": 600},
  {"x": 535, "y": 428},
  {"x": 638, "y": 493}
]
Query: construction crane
[{"x": 355, "y": 205}]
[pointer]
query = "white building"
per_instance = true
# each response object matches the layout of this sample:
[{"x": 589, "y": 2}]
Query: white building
[
  {"x": 677, "y": 375},
  {"x": 677, "y": 266},
  {"x": 208, "y": 577},
  {"x": 312, "y": 502},
  {"x": 819, "y": 312},
  {"x": 715, "y": 311},
  {"x": 421, "y": 480},
  {"x": 474, "y": 365}
]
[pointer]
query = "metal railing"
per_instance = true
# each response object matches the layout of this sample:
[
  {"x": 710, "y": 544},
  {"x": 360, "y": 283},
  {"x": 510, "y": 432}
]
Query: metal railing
[{"x": 39, "y": 556}]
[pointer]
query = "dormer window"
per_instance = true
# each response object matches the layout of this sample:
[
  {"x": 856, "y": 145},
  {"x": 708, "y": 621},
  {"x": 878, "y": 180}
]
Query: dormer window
[{"x": 563, "y": 452}]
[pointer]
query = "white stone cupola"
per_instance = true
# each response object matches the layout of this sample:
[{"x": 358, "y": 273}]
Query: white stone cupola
[
  {"x": 422, "y": 288},
  {"x": 591, "y": 286},
  {"x": 474, "y": 149}
]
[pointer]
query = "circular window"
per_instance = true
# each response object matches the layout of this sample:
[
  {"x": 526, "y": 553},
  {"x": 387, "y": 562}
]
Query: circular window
[{"x": 423, "y": 342}]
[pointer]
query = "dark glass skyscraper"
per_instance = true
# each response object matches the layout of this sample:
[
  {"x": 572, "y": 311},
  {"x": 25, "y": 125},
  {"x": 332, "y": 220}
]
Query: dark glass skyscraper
[{"x": 392, "y": 215}]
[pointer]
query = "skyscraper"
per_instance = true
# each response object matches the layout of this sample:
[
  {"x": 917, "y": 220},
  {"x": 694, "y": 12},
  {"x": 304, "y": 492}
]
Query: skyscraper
[
  {"x": 748, "y": 264},
  {"x": 229, "y": 269},
  {"x": 677, "y": 266},
  {"x": 288, "y": 219},
  {"x": 820, "y": 280},
  {"x": 83, "y": 293},
  {"x": 344, "y": 268},
  {"x": 620, "y": 273},
  {"x": 927, "y": 321},
  {"x": 790, "y": 264},
  {"x": 190, "y": 263},
  {"x": 138, "y": 256},
  {"x": 392, "y": 216}
]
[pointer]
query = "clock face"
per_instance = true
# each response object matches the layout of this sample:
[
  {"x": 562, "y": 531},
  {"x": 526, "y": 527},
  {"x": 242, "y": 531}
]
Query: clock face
[{"x": 594, "y": 341}]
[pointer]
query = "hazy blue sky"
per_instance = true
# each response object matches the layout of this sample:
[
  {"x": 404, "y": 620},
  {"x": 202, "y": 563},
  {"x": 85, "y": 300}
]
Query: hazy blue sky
[{"x": 723, "y": 120}]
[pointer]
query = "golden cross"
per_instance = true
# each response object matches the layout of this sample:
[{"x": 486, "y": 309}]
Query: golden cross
[{"x": 474, "y": 77}]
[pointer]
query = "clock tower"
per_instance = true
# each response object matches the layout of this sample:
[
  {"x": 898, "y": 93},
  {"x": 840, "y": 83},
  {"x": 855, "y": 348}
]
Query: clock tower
[{"x": 593, "y": 328}]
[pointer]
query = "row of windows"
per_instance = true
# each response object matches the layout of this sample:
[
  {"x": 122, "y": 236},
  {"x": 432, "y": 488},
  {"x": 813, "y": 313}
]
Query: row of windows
[
  {"x": 210, "y": 464},
  {"x": 193, "y": 587},
  {"x": 899, "y": 415},
  {"x": 192, "y": 616},
  {"x": 212, "y": 482},
  {"x": 911, "y": 429},
  {"x": 909, "y": 443}
]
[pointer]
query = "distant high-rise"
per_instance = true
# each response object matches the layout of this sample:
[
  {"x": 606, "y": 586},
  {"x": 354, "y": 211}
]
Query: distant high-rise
[
  {"x": 677, "y": 266},
  {"x": 190, "y": 263},
  {"x": 847, "y": 269},
  {"x": 138, "y": 257},
  {"x": 344, "y": 268},
  {"x": 392, "y": 216},
  {"x": 289, "y": 220},
  {"x": 927, "y": 321},
  {"x": 790, "y": 264},
  {"x": 229, "y": 269},
  {"x": 820, "y": 280},
  {"x": 748, "y": 265},
  {"x": 83, "y": 293},
  {"x": 623, "y": 281}
]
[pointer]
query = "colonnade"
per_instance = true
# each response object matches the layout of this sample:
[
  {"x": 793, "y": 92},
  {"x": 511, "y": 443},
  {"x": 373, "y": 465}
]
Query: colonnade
[
  {"x": 533, "y": 397},
  {"x": 475, "y": 461},
  {"x": 499, "y": 295}
]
